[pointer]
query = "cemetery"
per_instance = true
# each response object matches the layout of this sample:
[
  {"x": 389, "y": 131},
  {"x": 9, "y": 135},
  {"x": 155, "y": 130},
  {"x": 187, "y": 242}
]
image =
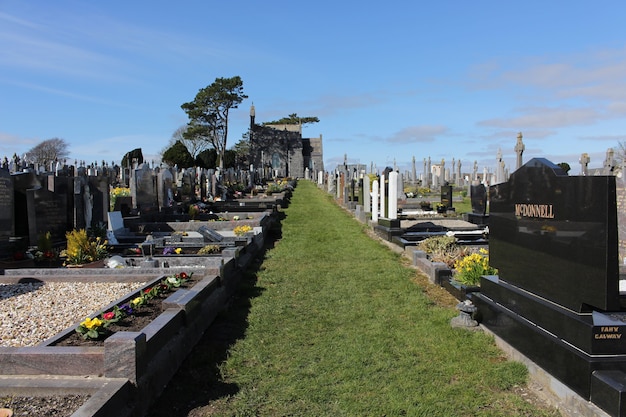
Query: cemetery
[
  {"x": 555, "y": 290},
  {"x": 552, "y": 289},
  {"x": 150, "y": 239}
]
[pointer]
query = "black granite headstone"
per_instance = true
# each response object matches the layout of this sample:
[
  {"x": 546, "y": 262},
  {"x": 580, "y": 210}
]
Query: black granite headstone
[
  {"x": 556, "y": 236},
  {"x": 7, "y": 215},
  {"x": 446, "y": 196},
  {"x": 556, "y": 297},
  {"x": 478, "y": 198},
  {"x": 47, "y": 212}
]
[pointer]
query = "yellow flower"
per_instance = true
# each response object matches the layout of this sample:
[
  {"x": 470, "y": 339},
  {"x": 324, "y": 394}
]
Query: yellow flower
[
  {"x": 90, "y": 323},
  {"x": 137, "y": 301},
  {"x": 178, "y": 251}
]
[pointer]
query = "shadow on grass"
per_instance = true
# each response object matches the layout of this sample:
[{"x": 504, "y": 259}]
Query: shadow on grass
[{"x": 198, "y": 381}]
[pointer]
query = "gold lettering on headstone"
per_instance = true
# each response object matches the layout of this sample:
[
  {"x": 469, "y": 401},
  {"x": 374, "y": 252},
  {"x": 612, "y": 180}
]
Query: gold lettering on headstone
[
  {"x": 608, "y": 332},
  {"x": 544, "y": 211}
]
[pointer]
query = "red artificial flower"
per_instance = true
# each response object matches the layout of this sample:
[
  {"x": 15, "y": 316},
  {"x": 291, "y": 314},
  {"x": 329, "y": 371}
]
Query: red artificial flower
[
  {"x": 108, "y": 315},
  {"x": 147, "y": 290},
  {"x": 182, "y": 275}
]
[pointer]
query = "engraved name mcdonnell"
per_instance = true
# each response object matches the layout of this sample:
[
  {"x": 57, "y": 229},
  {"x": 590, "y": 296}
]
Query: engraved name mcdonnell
[{"x": 544, "y": 211}]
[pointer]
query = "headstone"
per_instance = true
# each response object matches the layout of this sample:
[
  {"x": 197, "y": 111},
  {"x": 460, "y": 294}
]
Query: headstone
[
  {"x": 446, "y": 196},
  {"x": 568, "y": 225},
  {"x": 143, "y": 190},
  {"x": 47, "y": 212},
  {"x": 367, "y": 204},
  {"x": 519, "y": 150},
  {"x": 393, "y": 195},
  {"x": 116, "y": 222},
  {"x": 557, "y": 298},
  {"x": 478, "y": 198},
  {"x": 210, "y": 235},
  {"x": 7, "y": 198},
  {"x": 375, "y": 201},
  {"x": 165, "y": 181}
]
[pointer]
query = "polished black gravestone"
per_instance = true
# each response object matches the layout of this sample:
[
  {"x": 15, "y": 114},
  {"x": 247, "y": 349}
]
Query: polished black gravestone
[
  {"x": 556, "y": 298},
  {"x": 478, "y": 199}
]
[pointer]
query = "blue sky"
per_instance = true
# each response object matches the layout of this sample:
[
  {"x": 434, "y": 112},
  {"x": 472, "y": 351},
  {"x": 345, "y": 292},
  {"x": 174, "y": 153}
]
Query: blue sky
[{"x": 389, "y": 81}]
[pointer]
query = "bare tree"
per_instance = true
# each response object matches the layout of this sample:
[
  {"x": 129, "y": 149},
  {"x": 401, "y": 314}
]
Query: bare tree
[
  {"x": 194, "y": 144},
  {"x": 48, "y": 151}
]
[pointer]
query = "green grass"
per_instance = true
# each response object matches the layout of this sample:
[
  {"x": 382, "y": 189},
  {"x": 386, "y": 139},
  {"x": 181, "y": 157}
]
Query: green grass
[
  {"x": 333, "y": 324},
  {"x": 464, "y": 206}
]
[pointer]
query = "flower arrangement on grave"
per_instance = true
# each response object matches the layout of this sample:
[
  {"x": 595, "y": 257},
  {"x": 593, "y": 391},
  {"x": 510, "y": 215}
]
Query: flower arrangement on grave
[
  {"x": 132, "y": 251},
  {"x": 242, "y": 230},
  {"x": 44, "y": 252},
  {"x": 82, "y": 249},
  {"x": 193, "y": 211},
  {"x": 93, "y": 328},
  {"x": 169, "y": 250},
  {"x": 470, "y": 268},
  {"x": 209, "y": 249},
  {"x": 118, "y": 192},
  {"x": 96, "y": 327}
]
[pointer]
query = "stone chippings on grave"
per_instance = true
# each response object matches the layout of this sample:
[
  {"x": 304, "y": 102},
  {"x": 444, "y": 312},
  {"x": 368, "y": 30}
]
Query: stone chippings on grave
[{"x": 556, "y": 298}]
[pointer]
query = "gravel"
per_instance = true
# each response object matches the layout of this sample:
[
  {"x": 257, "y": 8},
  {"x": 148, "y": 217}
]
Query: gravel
[
  {"x": 34, "y": 312},
  {"x": 43, "y": 406}
]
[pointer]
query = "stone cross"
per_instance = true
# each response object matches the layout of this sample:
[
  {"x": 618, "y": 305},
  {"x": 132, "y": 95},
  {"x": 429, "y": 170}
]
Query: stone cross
[
  {"x": 584, "y": 163},
  {"x": 519, "y": 150},
  {"x": 609, "y": 161}
]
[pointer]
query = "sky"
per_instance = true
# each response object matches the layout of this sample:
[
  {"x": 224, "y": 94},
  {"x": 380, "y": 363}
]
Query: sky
[{"x": 388, "y": 81}]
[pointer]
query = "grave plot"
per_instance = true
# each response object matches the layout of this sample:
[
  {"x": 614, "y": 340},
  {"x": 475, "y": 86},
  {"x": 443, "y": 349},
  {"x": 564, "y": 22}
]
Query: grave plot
[{"x": 554, "y": 240}]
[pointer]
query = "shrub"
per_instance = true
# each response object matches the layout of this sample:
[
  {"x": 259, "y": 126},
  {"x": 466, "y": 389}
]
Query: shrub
[{"x": 443, "y": 249}]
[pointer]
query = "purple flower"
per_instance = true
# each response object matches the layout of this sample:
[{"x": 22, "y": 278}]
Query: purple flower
[{"x": 127, "y": 309}]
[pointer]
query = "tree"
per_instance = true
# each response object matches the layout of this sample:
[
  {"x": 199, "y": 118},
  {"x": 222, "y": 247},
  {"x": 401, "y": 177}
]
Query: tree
[
  {"x": 208, "y": 113},
  {"x": 178, "y": 155},
  {"x": 293, "y": 119},
  {"x": 242, "y": 151},
  {"x": 207, "y": 159},
  {"x": 194, "y": 145},
  {"x": 564, "y": 166},
  {"x": 48, "y": 151}
]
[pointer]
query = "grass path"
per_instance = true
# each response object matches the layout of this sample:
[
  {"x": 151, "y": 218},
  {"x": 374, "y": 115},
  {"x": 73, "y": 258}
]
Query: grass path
[{"x": 333, "y": 324}]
